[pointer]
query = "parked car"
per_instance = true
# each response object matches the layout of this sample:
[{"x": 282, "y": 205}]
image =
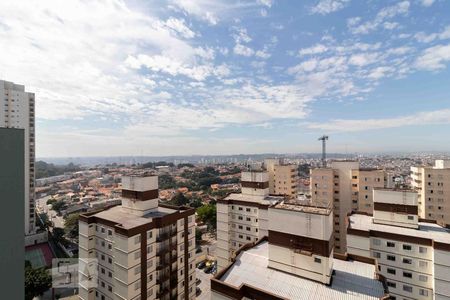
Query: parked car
[
  {"x": 208, "y": 269},
  {"x": 198, "y": 291},
  {"x": 198, "y": 281},
  {"x": 198, "y": 250},
  {"x": 201, "y": 265}
]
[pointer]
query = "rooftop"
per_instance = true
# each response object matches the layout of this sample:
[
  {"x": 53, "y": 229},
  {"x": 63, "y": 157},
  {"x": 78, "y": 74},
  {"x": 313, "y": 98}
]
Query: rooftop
[
  {"x": 425, "y": 230},
  {"x": 255, "y": 198},
  {"x": 304, "y": 206},
  {"x": 128, "y": 220},
  {"x": 351, "y": 280}
]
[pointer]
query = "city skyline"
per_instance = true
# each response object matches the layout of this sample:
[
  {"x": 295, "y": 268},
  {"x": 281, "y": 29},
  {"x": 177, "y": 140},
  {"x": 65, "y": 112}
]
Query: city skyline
[{"x": 220, "y": 77}]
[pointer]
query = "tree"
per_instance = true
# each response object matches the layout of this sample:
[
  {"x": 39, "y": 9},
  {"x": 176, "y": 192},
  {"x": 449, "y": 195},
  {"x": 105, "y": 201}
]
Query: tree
[
  {"x": 166, "y": 182},
  {"x": 179, "y": 199},
  {"x": 71, "y": 225},
  {"x": 37, "y": 281},
  {"x": 207, "y": 214},
  {"x": 58, "y": 206},
  {"x": 198, "y": 236},
  {"x": 51, "y": 201},
  {"x": 196, "y": 203},
  {"x": 58, "y": 234}
]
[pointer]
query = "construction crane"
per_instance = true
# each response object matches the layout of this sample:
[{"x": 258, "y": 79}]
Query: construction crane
[{"x": 324, "y": 138}]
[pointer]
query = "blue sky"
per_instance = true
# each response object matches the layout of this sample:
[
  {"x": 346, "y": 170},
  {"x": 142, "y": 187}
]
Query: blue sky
[{"x": 222, "y": 77}]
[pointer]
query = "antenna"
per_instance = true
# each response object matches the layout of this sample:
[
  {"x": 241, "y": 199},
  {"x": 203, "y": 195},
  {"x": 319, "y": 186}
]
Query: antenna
[{"x": 324, "y": 138}]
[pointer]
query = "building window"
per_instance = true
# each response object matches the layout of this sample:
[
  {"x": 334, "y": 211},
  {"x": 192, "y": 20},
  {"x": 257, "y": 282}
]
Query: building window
[
  {"x": 109, "y": 232},
  {"x": 407, "y": 261},
  {"x": 317, "y": 260},
  {"x": 248, "y": 228},
  {"x": 109, "y": 274},
  {"x": 149, "y": 249},
  {"x": 137, "y": 285},
  {"x": 149, "y": 234},
  {"x": 376, "y": 242},
  {"x": 423, "y": 264},
  {"x": 390, "y": 244},
  {"x": 377, "y": 255},
  {"x": 391, "y": 284},
  {"x": 407, "y": 274},
  {"x": 240, "y": 227},
  {"x": 109, "y": 288},
  {"x": 240, "y": 218},
  {"x": 407, "y": 247},
  {"x": 422, "y": 250},
  {"x": 239, "y": 208},
  {"x": 390, "y": 257},
  {"x": 248, "y": 219},
  {"x": 407, "y": 288},
  {"x": 391, "y": 271},
  {"x": 247, "y": 209},
  {"x": 110, "y": 260},
  {"x": 137, "y": 270},
  {"x": 137, "y": 239},
  {"x": 423, "y": 292},
  {"x": 423, "y": 278}
]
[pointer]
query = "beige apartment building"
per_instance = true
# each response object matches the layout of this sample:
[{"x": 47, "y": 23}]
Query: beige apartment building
[
  {"x": 295, "y": 261},
  {"x": 144, "y": 250},
  {"x": 243, "y": 217},
  {"x": 413, "y": 256},
  {"x": 433, "y": 187},
  {"x": 17, "y": 111},
  {"x": 283, "y": 178},
  {"x": 349, "y": 188}
]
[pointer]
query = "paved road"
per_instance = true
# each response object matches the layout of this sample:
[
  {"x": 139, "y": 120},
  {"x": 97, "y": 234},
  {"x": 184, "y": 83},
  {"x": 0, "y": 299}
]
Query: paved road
[
  {"x": 205, "y": 285},
  {"x": 42, "y": 207}
]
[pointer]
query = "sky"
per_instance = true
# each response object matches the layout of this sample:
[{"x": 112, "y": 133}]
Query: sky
[{"x": 184, "y": 77}]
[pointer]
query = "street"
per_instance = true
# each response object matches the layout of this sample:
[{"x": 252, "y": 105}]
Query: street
[{"x": 205, "y": 285}]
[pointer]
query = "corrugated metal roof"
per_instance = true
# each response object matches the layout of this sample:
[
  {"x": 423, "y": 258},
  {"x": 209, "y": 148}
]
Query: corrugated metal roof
[{"x": 352, "y": 280}]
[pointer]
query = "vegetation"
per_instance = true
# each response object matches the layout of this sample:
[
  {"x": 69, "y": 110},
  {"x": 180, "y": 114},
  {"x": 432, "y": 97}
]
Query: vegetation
[
  {"x": 179, "y": 200},
  {"x": 71, "y": 225},
  {"x": 37, "y": 281},
  {"x": 44, "y": 169},
  {"x": 58, "y": 206},
  {"x": 303, "y": 170},
  {"x": 195, "y": 202},
  {"x": 153, "y": 164},
  {"x": 201, "y": 180},
  {"x": 207, "y": 214},
  {"x": 179, "y": 166},
  {"x": 51, "y": 201},
  {"x": 166, "y": 182},
  {"x": 198, "y": 236}
]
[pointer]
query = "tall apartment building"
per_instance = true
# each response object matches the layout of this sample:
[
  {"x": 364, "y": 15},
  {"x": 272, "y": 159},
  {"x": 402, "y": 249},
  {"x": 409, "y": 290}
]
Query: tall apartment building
[
  {"x": 243, "y": 218},
  {"x": 145, "y": 250},
  {"x": 283, "y": 178},
  {"x": 433, "y": 187},
  {"x": 295, "y": 261},
  {"x": 349, "y": 188},
  {"x": 413, "y": 255},
  {"x": 17, "y": 111}
]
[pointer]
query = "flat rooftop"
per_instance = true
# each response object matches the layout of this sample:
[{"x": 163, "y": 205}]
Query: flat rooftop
[
  {"x": 352, "y": 280},
  {"x": 304, "y": 206},
  {"x": 128, "y": 220},
  {"x": 425, "y": 230},
  {"x": 254, "y": 198}
]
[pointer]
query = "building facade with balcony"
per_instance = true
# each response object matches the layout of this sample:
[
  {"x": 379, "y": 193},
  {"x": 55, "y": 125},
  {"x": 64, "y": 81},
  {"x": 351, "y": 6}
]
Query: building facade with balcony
[{"x": 144, "y": 250}]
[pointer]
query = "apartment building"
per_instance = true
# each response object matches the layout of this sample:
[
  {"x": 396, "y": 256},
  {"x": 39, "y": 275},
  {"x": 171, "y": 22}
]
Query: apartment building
[
  {"x": 433, "y": 187},
  {"x": 144, "y": 250},
  {"x": 17, "y": 111},
  {"x": 413, "y": 255},
  {"x": 349, "y": 188},
  {"x": 295, "y": 261},
  {"x": 283, "y": 178},
  {"x": 243, "y": 217}
]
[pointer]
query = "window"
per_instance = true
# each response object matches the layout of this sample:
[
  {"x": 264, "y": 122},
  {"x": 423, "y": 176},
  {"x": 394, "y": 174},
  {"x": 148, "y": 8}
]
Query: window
[
  {"x": 109, "y": 232},
  {"x": 422, "y": 250},
  {"x": 317, "y": 260},
  {"x": 137, "y": 285},
  {"x": 247, "y": 209},
  {"x": 240, "y": 208},
  {"x": 407, "y": 274},
  {"x": 376, "y": 242},
  {"x": 407, "y": 288},
  {"x": 149, "y": 234},
  {"x": 240, "y": 218},
  {"x": 241, "y": 236},
  {"x": 377, "y": 255},
  {"x": 248, "y": 238},
  {"x": 423, "y": 264},
  {"x": 390, "y": 244},
  {"x": 137, "y": 239},
  {"x": 149, "y": 249},
  {"x": 248, "y": 219},
  {"x": 102, "y": 229},
  {"x": 109, "y": 274},
  {"x": 391, "y": 284},
  {"x": 423, "y": 278},
  {"x": 391, "y": 271},
  {"x": 410, "y": 217},
  {"x": 137, "y": 270},
  {"x": 407, "y": 261},
  {"x": 110, "y": 260},
  {"x": 407, "y": 247},
  {"x": 109, "y": 288},
  {"x": 423, "y": 292},
  {"x": 390, "y": 257},
  {"x": 240, "y": 227},
  {"x": 248, "y": 228},
  {"x": 137, "y": 255}
]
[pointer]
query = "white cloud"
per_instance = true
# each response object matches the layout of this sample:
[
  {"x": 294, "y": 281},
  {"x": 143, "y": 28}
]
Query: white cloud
[
  {"x": 426, "y": 38},
  {"x": 316, "y": 49},
  {"x": 241, "y": 36},
  {"x": 179, "y": 27},
  {"x": 427, "y": 2},
  {"x": 356, "y": 27},
  {"x": 325, "y": 7},
  {"x": 243, "y": 50},
  {"x": 363, "y": 59},
  {"x": 434, "y": 58},
  {"x": 380, "y": 72},
  {"x": 421, "y": 118},
  {"x": 203, "y": 9}
]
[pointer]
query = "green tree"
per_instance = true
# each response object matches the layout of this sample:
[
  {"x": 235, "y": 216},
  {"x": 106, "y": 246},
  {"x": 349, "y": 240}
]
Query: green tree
[
  {"x": 71, "y": 225},
  {"x": 51, "y": 201},
  {"x": 196, "y": 203},
  {"x": 58, "y": 206},
  {"x": 179, "y": 199},
  {"x": 166, "y": 182},
  {"x": 37, "y": 281},
  {"x": 207, "y": 214}
]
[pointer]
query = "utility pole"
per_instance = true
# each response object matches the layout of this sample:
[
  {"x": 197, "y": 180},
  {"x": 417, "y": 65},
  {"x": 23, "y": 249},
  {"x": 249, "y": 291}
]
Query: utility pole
[{"x": 324, "y": 138}]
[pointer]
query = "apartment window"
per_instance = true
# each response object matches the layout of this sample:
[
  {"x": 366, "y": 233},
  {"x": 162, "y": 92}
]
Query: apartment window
[
  {"x": 317, "y": 260},
  {"x": 407, "y": 288},
  {"x": 407, "y": 274},
  {"x": 103, "y": 243},
  {"x": 390, "y": 244},
  {"x": 137, "y": 270},
  {"x": 149, "y": 249},
  {"x": 248, "y": 228},
  {"x": 423, "y": 292},
  {"x": 109, "y": 274},
  {"x": 109, "y": 246},
  {"x": 390, "y": 271},
  {"x": 407, "y": 247},
  {"x": 390, "y": 257},
  {"x": 240, "y": 227},
  {"x": 407, "y": 261},
  {"x": 423, "y": 278},
  {"x": 410, "y": 217},
  {"x": 377, "y": 255},
  {"x": 247, "y": 209},
  {"x": 391, "y": 284},
  {"x": 109, "y": 232},
  {"x": 239, "y": 208},
  {"x": 240, "y": 218},
  {"x": 137, "y": 285},
  {"x": 149, "y": 234},
  {"x": 137, "y": 255},
  {"x": 103, "y": 257},
  {"x": 110, "y": 260},
  {"x": 109, "y": 288},
  {"x": 423, "y": 264},
  {"x": 103, "y": 271},
  {"x": 137, "y": 239},
  {"x": 249, "y": 238},
  {"x": 241, "y": 236},
  {"x": 150, "y": 277},
  {"x": 248, "y": 219},
  {"x": 422, "y": 250},
  {"x": 102, "y": 230},
  {"x": 376, "y": 242},
  {"x": 232, "y": 207}
]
